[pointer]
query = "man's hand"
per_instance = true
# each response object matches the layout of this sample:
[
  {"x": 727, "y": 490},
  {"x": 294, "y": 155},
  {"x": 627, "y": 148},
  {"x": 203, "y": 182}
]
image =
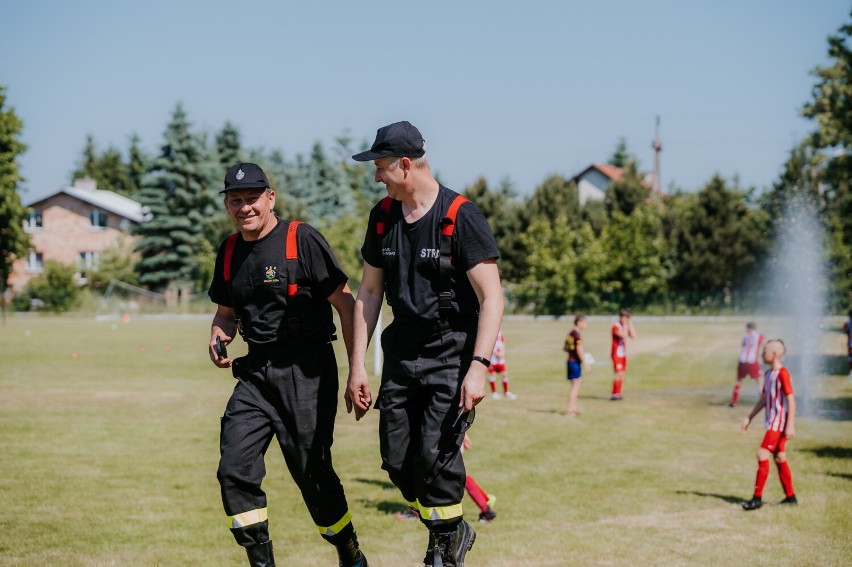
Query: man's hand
[
  {"x": 744, "y": 425},
  {"x": 473, "y": 387},
  {"x": 790, "y": 431},
  {"x": 357, "y": 394},
  {"x": 219, "y": 360}
]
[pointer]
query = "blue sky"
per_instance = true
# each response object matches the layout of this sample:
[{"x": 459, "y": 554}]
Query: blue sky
[{"x": 520, "y": 89}]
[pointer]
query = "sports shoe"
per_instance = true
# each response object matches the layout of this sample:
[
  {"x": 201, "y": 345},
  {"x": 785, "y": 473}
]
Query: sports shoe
[
  {"x": 732, "y": 405},
  {"x": 495, "y": 395},
  {"x": 615, "y": 397},
  {"x": 451, "y": 547},
  {"x": 753, "y": 504},
  {"x": 790, "y": 500},
  {"x": 510, "y": 396},
  {"x": 488, "y": 516}
]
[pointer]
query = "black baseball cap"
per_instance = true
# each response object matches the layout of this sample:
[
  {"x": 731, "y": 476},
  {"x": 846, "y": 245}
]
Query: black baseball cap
[
  {"x": 400, "y": 139},
  {"x": 245, "y": 176}
]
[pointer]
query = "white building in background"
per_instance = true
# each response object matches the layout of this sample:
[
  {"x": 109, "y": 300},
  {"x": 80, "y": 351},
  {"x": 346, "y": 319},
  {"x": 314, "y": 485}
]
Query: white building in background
[{"x": 593, "y": 181}]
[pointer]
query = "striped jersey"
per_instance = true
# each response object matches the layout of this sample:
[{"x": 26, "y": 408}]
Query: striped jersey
[
  {"x": 498, "y": 355},
  {"x": 752, "y": 342},
  {"x": 619, "y": 348},
  {"x": 777, "y": 388}
]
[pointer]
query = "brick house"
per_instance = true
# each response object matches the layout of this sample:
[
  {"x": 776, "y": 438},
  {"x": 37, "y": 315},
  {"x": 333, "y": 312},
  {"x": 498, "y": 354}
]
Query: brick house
[{"x": 73, "y": 226}]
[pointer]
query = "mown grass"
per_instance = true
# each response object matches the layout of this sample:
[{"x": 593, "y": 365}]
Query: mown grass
[{"x": 109, "y": 436}]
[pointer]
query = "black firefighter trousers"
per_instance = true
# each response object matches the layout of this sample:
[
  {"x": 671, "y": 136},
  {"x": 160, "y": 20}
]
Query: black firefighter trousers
[
  {"x": 420, "y": 432},
  {"x": 290, "y": 393}
]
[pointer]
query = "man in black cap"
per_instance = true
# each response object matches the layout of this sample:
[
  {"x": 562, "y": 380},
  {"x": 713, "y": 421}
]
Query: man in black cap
[
  {"x": 275, "y": 283},
  {"x": 432, "y": 253}
]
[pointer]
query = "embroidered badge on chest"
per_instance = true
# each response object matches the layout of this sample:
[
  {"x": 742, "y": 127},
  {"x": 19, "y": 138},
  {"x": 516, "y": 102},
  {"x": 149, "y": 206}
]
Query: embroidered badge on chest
[{"x": 270, "y": 275}]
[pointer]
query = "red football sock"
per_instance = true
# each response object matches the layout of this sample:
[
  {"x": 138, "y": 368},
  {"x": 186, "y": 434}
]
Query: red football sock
[
  {"x": 505, "y": 385},
  {"x": 762, "y": 475},
  {"x": 616, "y": 387},
  {"x": 476, "y": 493},
  {"x": 786, "y": 478},
  {"x": 493, "y": 384},
  {"x": 736, "y": 395}
]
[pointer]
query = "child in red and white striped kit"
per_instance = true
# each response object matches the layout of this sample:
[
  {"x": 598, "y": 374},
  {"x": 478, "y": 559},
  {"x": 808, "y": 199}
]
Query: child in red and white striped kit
[{"x": 779, "y": 404}]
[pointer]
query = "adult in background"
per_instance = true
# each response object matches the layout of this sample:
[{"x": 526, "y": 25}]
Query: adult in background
[
  {"x": 434, "y": 257},
  {"x": 287, "y": 384},
  {"x": 749, "y": 361}
]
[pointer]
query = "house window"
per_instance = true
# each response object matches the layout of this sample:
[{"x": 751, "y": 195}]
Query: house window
[
  {"x": 33, "y": 222},
  {"x": 87, "y": 262},
  {"x": 98, "y": 218},
  {"x": 35, "y": 262}
]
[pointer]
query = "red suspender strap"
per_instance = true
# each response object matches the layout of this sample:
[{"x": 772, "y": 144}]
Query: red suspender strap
[
  {"x": 230, "y": 242},
  {"x": 291, "y": 254},
  {"x": 384, "y": 209},
  {"x": 452, "y": 212}
]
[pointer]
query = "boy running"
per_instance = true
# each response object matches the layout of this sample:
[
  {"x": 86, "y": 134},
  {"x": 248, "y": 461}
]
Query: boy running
[
  {"x": 749, "y": 363},
  {"x": 780, "y": 419}
]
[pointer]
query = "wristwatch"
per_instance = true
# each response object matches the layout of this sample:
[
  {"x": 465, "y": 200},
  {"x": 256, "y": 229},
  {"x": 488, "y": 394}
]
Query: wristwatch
[{"x": 483, "y": 360}]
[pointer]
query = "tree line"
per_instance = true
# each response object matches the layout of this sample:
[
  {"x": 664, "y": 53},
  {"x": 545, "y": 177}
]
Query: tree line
[{"x": 679, "y": 251}]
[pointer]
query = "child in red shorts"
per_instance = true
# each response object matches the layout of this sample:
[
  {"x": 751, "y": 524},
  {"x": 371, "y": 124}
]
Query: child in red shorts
[
  {"x": 621, "y": 331},
  {"x": 780, "y": 419},
  {"x": 749, "y": 361}
]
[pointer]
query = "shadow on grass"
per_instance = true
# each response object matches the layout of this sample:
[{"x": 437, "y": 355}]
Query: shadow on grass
[
  {"x": 386, "y": 484},
  {"x": 829, "y": 452},
  {"x": 847, "y": 476},
  {"x": 726, "y": 498},
  {"x": 386, "y": 506}
]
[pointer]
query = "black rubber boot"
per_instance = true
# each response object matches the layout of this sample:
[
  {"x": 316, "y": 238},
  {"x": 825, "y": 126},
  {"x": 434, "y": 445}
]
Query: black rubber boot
[
  {"x": 451, "y": 547},
  {"x": 350, "y": 555},
  {"x": 260, "y": 555},
  {"x": 429, "y": 558}
]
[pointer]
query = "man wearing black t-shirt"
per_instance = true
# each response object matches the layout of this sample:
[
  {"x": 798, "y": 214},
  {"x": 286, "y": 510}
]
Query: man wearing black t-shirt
[
  {"x": 435, "y": 261},
  {"x": 287, "y": 384}
]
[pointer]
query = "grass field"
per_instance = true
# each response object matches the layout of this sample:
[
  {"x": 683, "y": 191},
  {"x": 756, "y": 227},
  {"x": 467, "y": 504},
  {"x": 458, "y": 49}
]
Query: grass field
[{"x": 109, "y": 437}]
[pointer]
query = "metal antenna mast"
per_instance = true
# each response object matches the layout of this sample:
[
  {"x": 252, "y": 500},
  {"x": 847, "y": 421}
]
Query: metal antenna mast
[{"x": 658, "y": 147}]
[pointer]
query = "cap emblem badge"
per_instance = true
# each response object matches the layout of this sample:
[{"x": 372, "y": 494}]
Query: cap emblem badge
[{"x": 240, "y": 175}]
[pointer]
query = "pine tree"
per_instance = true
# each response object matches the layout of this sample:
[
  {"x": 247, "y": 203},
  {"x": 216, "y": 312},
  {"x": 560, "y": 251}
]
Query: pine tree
[
  {"x": 330, "y": 196},
  {"x": 14, "y": 242},
  {"x": 136, "y": 166},
  {"x": 228, "y": 146},
  {"x": 176, "y": 194}
]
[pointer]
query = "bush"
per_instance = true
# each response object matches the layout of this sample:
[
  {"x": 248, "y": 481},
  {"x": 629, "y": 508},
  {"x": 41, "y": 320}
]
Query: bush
[{"x": 54, "y": 290}]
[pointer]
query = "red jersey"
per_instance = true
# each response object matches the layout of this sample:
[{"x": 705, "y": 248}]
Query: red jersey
[
  {"x": 777, "y": 388},
  {"x": 752, "y": 341},
  {"x": 619, "y": 346}
]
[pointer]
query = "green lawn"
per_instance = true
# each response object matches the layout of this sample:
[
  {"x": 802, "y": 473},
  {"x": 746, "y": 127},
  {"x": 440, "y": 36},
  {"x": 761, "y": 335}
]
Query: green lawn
[{"x": 109, "y": 437}]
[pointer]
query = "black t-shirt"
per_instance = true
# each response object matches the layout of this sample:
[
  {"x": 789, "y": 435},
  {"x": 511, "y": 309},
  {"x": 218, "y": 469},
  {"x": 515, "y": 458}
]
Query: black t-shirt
[
  {"x": 258, "y": 286},
  {"x": 410, "y": 253}
]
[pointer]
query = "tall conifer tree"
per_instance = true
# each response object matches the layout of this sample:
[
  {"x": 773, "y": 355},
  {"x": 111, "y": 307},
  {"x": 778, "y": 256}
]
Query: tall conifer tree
[{"x": 176, "y": 194}]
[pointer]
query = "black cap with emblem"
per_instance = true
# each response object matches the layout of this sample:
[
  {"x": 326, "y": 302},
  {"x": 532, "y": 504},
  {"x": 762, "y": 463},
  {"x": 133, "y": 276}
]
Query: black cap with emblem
[{"x": 245, "y": 176}]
